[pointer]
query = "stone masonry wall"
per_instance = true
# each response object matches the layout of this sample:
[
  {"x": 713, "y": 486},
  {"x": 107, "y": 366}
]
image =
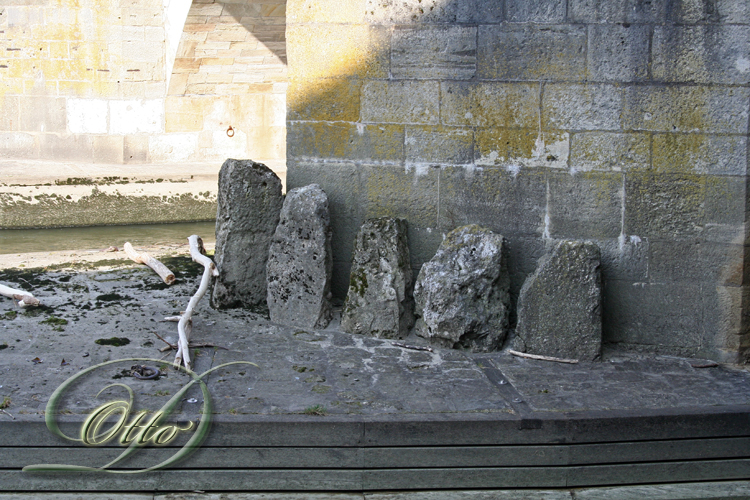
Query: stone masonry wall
[
  {"x": 625, "y": 123},
  {"x": 86, "y": 81}
]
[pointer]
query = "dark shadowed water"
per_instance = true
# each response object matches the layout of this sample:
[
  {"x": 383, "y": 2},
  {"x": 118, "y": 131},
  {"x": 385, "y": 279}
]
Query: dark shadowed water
[{"x": 98, "y": 237}]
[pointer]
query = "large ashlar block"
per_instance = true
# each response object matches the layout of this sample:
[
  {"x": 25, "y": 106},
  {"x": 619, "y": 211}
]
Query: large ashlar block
[
  {"x": 560, "y": 305},
  {"x": 379, "y": 301},
  {"x": 462, "y": 295},
  {"x": 249, "y": 204},
  {"x": 299, "y": 261}
]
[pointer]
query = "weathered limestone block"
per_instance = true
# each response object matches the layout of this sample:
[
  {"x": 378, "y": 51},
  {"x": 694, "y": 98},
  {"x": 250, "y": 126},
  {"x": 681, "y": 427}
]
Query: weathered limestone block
[
  {"x": 559, "y": 307},
  {"x": 379, "y": 301},
  {"x": 249, "y": 204},
  {"x": 299, "y": 261},
  {"x": 462, "y": 293}
]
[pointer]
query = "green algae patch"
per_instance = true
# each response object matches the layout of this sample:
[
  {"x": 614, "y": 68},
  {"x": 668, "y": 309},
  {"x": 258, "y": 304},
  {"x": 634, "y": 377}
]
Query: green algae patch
[
  {"x": 113, "y": 341},
  {"x": 56, "y": 323}
]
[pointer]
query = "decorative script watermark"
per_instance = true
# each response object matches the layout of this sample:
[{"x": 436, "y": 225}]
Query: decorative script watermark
[{"x": 143, "y": 429}]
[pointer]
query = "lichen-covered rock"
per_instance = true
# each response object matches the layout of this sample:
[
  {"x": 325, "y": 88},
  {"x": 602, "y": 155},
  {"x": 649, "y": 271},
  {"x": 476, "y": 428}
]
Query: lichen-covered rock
[
  {"x": 559, "y": 307},
  {"x": 462, "y": 293},
  {"x": 300, "y": 262},
  {"x": 249, "y": 204},
  {"x": 379, "y": 301}
]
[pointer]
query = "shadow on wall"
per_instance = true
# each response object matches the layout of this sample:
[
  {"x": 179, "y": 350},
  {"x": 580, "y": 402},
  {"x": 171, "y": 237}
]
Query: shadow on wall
[
  {"x": 251, "y": 16},
  {"x": 227, "y": 93},
  {"x": 624, "y": 123}
]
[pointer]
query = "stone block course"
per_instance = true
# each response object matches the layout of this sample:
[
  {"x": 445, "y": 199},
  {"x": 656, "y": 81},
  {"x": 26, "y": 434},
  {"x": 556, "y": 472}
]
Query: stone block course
[
  {"x": 664, "y": 206},
  {"x": 517, "y": 148},
  {"x": 719, "y": 11},
  {"x": 682, "y": 108},
  {"x": 389, "y": 192},
  {"x": 42, "y": 114},
  {"x": 327, "y": 11},
  {"x": 433, "y": 11},
  {"x": 654, "y": 317},
  {"x": 346, "y": 140},
  {"x": 73, "y": 147},
  {"x": 434, "y": 52},
  {"x": 400, "y": 102},
  {"x": 338, "y": 51},
  {"x": 582, "y": 107},
  {"x": 529, "y": 52},
  {"x": 586, "y": 205},
  {"x": 618, "y": 53},
  {"x": 505, "y": 202},
  {"x": 697, "y": 261},
  {"x": 700, "y": 154},
  {"x": 725, "y": 208},
  {"x": 609, "y": 151},
  {"x": 489, "y": 104},
  {"x": 625, "y": 11},
  {"x": 440, "y": 145},
  {"x": 625, "y": 258},
  {"x": 324, "y": 99},
  {"x": 535, "y": 11},
  {"x": 702, "y": 54}
]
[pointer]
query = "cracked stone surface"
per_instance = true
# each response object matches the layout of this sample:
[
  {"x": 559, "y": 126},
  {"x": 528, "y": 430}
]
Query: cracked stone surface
[
  {"x": 461, "y": 294},
  {"x": 379, "y": 301},
  {"x": 299, "y": 261},
  {"x": 249, "y": 204},
  {"x": 560, "y": 305}
]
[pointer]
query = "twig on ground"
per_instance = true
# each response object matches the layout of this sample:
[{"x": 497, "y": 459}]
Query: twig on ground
[
  {"x": 542, "y": 358},
  {"x": 193, "y": 345},
  {"x": 184, "y": 326},
  {"x": 3, "y": 411},
  {"x": 21, "y": 297},
  {"x": 168, "y": 343},
  {"x": 414, "y": 347},
  {"x": 144, "y": 258}
]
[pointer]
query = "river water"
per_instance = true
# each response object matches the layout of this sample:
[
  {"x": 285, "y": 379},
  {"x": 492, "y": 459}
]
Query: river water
[{"x": 99, "y": 237}]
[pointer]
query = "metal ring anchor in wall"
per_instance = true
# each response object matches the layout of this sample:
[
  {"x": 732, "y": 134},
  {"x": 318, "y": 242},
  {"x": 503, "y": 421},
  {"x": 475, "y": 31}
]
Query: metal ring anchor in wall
[{"x": 230, "y": 132}]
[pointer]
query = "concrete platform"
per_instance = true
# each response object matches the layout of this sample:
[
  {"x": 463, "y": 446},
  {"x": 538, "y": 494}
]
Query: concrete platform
[
  {"x": 333, "y": 412},
  {"x": 38, "y": 193}
]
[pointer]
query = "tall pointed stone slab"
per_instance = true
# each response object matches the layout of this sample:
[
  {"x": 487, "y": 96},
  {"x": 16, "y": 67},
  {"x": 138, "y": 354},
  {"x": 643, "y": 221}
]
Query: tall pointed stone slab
[
  {"x": 299, "y": 261},
  {"x": 249, "y": 204},
  {"x": 559, "y": 307},
  {"x": 462, "y": 293},
  {"x": 379, "y": 301}
]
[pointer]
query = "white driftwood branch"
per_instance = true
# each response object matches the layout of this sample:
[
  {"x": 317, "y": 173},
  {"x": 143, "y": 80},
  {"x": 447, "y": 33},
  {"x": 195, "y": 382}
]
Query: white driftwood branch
[
  {"x": 144, "y": 258},
  {"x": 542, "y": 358},
  {"x": 23, "y": 298},
  {"x": 185, "y": 324}
]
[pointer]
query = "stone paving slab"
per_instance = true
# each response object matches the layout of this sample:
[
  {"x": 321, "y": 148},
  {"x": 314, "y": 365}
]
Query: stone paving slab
[
  {"x": 332, "y": 411},
  {"x": 346, "y": 374}
]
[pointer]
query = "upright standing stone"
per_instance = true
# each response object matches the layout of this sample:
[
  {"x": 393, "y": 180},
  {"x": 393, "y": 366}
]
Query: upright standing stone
[
  {"x": 379, "y": 302},
  {"x": 300, "y": 262},
  {"x": 462, "y": 293},
  {"x": 559, "y": 307},
  {"x": 249, "y": 204}
]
